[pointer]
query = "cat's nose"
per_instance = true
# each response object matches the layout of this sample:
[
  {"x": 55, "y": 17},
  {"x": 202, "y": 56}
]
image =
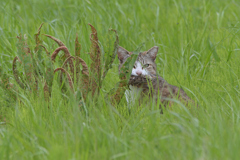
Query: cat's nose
[{"x": 139, "y": 73}]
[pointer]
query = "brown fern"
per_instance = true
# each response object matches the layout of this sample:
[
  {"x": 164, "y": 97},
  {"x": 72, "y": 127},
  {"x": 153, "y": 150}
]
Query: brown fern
[
  {"x": 26, "y": 58},
  {"x": 68, "y": 76},
  {"x": 95, "y": 55},
  {"x": 66, "y": 51},
  {"x": 77, "y": 54},
  {"x": 16, "y": 74},
  {"x": 84, "y": 80}
]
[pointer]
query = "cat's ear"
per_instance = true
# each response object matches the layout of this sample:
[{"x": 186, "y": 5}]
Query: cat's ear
[
  {"x": 152, "y": 53},
  {"x": 122, "y": 54}
]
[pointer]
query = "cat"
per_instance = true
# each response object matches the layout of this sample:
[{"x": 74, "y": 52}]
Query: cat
[{"x": 144, "y": 80}]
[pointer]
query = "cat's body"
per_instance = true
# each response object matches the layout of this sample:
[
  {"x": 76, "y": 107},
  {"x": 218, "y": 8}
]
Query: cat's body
[
  {"x": 157, "y": 88},
  {"x": 145, "y": 83}
]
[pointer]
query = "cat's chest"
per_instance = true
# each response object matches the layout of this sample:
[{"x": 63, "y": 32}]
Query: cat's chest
[{"x": 133, "y": 93}]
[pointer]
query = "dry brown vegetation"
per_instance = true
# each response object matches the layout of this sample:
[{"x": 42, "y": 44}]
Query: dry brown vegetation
[{"x": 37, "y": 69}]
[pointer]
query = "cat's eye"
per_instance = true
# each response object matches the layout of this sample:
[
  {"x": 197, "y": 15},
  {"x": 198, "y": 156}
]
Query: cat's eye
[
  {"x": 146, "y": 65},
  {"x": 134, "y": 67}
]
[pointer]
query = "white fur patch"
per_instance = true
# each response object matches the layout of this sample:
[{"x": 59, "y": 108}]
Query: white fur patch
[
  {"x": 132, "y": 95},
  {"x": 139, "y": 69}
]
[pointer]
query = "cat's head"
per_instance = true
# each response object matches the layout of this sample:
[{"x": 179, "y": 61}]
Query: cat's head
[{"x": 145, "y": 64}]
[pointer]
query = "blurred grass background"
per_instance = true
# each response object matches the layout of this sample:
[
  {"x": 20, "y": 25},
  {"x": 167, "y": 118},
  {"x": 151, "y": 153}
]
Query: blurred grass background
[{"x": 198, "y": 50}]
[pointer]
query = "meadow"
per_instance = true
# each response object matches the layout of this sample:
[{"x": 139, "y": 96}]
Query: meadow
[{"x": 199, "y": 50}]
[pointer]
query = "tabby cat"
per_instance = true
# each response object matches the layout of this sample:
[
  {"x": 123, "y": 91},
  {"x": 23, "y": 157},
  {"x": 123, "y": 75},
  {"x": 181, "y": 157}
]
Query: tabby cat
[{"x": 145, "y": 82}]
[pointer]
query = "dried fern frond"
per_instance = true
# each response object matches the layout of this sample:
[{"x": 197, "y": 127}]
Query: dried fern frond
[
  {"x": 25, "y": 56},
  {"x": 84, "y": 78},
  {"x": 16, "y": 73},
  {"x": 68, "y": 76},
  {"x": 95, "y": 55}
]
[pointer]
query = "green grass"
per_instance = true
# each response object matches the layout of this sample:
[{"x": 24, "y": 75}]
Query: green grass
[{"x": 199, "y": 45}]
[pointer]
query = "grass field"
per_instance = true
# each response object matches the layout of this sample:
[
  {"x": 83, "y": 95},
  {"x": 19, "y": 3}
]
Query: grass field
[{"x": 199, "y": 50}]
